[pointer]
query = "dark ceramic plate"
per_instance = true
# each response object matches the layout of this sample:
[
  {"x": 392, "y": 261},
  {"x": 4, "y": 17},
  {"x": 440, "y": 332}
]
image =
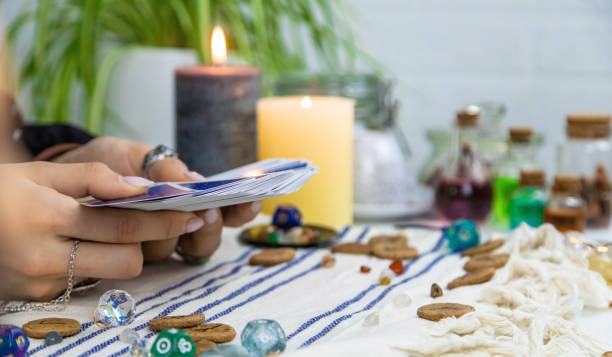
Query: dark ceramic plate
[{"x": 322, "y": 235}]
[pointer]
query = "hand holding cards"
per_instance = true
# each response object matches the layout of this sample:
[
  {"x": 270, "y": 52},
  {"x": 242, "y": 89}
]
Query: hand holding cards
[{"x": 254, "y": 182}]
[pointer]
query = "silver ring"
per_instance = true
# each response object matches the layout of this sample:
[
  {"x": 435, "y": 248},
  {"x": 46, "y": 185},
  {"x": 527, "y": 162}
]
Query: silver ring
[{"x": 158, "y": 153}]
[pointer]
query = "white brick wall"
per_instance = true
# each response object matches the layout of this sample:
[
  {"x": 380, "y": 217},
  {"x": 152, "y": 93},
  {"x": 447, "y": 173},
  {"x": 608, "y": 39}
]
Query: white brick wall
[{"x": 542, "y": 58}]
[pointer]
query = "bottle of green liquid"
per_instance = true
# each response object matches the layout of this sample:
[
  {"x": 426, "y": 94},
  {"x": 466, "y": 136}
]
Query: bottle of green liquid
[
  {"x": 520, "y": 156},
  {"x": 529, "y": 200}
]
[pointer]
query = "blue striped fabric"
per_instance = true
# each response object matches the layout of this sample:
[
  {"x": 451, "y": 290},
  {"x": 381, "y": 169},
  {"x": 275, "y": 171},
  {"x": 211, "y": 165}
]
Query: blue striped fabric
[
  {"x": 99, "y": 347},
  {"x": 231, "y": 288}
]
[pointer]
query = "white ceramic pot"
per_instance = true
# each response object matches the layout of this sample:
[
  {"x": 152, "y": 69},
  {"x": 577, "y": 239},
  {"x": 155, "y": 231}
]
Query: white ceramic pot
[{"x": 141, "y": 94}]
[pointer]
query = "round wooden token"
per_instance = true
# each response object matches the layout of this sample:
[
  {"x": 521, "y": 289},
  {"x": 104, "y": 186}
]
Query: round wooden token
[
  {"x": 437, "y": 312},
  {"x": 477, "y": 277},
  {"x": 270, "y": 257},
  {"x": 397, "y": 239},
  {"x": 352, "y": 248},
  {"x": 40, "y": 328},
  {"x": 185, "y": 321},
  {"x": 203, "y": 345},
  {"x": 482, "y": 261},
  {"x": 394, "y": 252},
  {"x": 483, "y": 248},
  {"x": 218, "y": 333}
]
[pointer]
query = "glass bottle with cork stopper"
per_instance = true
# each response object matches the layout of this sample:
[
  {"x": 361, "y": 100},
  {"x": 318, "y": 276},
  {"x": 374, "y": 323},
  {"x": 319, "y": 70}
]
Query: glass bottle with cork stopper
[
  {"x": 520, "y": 155},
  {"x": 587, "y": 152},
  {"x": 464, "y": 188},
  {"x": 566, "y": 209},
  {"x": 529, "y": 199}
]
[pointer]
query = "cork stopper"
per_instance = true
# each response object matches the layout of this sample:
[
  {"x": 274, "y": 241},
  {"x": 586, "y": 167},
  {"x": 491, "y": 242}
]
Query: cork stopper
[
  {"x": 468, "y": 117},
  {"x": 588, "y": 125},
  {"x": 520, "y": 134},
  {"x": 533, "y": 178},
  {"x": 569, "y": 184}
]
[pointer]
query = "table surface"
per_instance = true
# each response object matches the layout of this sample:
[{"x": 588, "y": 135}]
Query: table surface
[{"x": 317, "y": 307}]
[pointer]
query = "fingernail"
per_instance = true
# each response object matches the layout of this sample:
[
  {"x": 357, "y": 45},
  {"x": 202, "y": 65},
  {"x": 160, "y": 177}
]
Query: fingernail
[
  {"x": 211, "y": 216},
  {"x": 136, "y": 181},
  {"x": 256, "y": 206},
  {"x": 193, "y": 224},
  {"x": 194, "y": 175}
]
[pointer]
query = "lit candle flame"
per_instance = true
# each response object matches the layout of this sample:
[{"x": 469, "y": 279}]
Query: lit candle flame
[
  {"x": 306, "y": 102},
  {"x": 218, "y": 46}
]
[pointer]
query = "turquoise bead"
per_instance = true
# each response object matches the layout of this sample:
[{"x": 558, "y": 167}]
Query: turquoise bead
[{"x": 262, "y": 337}]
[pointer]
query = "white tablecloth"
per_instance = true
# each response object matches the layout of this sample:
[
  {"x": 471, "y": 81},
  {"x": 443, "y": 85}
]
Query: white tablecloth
[{"x": 322, "y": 309}]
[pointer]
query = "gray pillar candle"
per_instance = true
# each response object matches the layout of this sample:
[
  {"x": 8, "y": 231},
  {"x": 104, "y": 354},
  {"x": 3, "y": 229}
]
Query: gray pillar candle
[{"x": 215, "y": 116}]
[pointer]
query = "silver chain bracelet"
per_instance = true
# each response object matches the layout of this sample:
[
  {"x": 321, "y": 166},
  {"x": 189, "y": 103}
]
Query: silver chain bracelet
[{"x": 57, "y": 304}]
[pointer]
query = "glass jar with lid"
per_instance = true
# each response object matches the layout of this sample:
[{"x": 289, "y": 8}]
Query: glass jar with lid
[
  {"x": 464, "y": 188},
  {"x": 587, "y": 152},
  {"x": 520, "y": 156},
  {"x": 529, "y": 199},
  {"x": 566, "y": 209}
]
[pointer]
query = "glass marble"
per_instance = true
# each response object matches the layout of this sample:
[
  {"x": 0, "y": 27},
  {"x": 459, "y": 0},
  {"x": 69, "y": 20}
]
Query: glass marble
[
  {"x": 287, "y": 216},
  {"x": 13, "y": 341},
  {"x": 53, "y": 338},
  {"x": 402, "y": 300},
  {"x": 461, "y": 235},
  {"x": 172, "y": 342},
  {"x": 227, "y": 350},
  {"x": 262, "y": 337},
  {"x": 115, "y": 308},
  {"x": 372, "y": 319}
]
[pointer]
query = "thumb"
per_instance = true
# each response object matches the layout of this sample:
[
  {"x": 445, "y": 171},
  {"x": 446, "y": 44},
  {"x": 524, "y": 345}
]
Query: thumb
[{"x": 87, "y": 179}]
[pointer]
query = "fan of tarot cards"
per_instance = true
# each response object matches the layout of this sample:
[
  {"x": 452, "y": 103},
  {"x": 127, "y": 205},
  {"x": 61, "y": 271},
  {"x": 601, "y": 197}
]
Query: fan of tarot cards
[{"x": 253, "y": 182}]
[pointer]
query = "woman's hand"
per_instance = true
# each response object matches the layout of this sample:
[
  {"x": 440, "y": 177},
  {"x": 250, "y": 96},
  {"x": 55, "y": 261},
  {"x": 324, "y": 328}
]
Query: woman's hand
[
  {"x": 125, "y": 157},
  {"x": 39, "y": 217}
]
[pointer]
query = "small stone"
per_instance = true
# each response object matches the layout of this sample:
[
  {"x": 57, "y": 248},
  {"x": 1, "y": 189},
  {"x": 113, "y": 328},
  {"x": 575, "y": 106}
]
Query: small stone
[
  {"x": 365, "y": 269},
  {"x": 371, "y": 320},
  {"x": 397, "y": 267},
  {"x": 115, "y": 308},
  {"x": 173, "y": 342},
  {"x": 385, "y": 277},
  {"x": 462, "y": 234},
  {"x": 13, "y": 341},
  {"x": 402, "y": 300},
  {"x": 436, "y": 291},
  {"x": 227, "y": 350},
  {"x": 53, "y": 338},
  {"x": 328, "y": 261},
  {"x": 262, "y": 337}
]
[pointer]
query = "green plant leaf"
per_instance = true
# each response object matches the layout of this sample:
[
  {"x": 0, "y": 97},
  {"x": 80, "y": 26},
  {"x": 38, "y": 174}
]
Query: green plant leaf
[{"x": 95, "y": 115}]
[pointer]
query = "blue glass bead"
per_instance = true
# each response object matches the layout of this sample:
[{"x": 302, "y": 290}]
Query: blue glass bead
[
  {"x": 13, "y": 341},
  {"x": 262, "y": 337},
  {"x": 461, "y": 235},
  {"x": 286, "y": 217},
  {"x": 228, "y": 350},
  {"x": 53, "y": 338},
  {"x": 115, "y": 308}
]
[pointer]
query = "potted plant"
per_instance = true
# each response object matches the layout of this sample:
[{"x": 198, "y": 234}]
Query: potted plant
[{"x": 107, "y": 64}]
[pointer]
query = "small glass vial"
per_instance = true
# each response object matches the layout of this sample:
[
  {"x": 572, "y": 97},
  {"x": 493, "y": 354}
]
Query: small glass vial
[
  {"x": 464, "y": 189},
  {"x": 566, "y": 209},
  {"x": 529, "y": 200},
  {"x": 587, "y": 153},
  {"x": 520, "y": 155}
]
